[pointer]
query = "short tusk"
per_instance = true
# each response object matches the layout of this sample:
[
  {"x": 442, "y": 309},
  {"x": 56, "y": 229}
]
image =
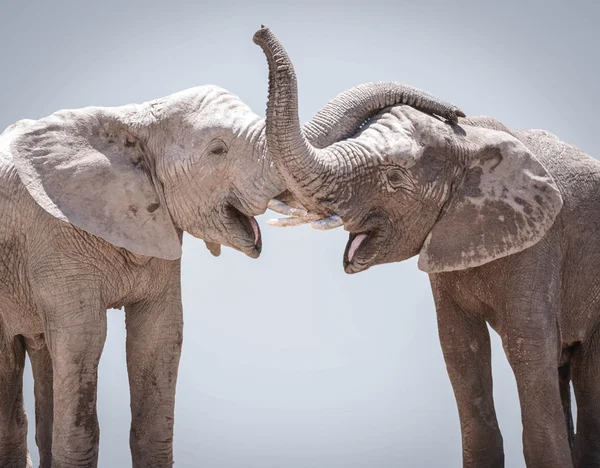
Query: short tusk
[
  {"x": 287, "y": 222},
  {"x": 283, "y": 208},
  {"x": 328, "y": 223}
]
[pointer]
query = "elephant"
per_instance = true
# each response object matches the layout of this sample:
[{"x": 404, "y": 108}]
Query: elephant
[
  {"x": 94, "y": 203},
  {"x": 505, "y": 223}
]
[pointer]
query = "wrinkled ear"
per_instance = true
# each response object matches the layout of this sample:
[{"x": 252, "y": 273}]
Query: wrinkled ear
[
  {"x": 506, "y": 202},
  {"x": 85, "y": 168}
]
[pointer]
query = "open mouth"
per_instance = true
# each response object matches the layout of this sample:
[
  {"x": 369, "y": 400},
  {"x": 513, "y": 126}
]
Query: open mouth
[
  {"x": 355, "y": 245},
  {"x": 253, "y": 246},
  {"x": 361, "y": 250}
]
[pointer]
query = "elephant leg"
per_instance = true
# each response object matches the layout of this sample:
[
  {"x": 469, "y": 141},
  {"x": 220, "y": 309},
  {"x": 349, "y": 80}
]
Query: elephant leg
[
  {"x": 545, "y": 435},
  {"x": 529, "y": 326},
  {"x": 13, "y": 421},
  {"x": 41, "y": 365},
  {"x": 154, "y": 339},
  {"x": 533, "y": 352},
  {"x": 75, "y": 339},
  {"x": 586, "y": 382},
  {"x": 466, "y": 346}
]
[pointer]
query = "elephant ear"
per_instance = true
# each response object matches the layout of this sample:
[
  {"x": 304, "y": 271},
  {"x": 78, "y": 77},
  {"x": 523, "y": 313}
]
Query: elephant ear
[
  {"x": 85, "y": 168},
  {"x": 505, "y": 203}
]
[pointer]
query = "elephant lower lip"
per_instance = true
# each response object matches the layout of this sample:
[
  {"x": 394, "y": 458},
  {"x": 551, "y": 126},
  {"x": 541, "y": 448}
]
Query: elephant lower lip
[
  {"x": 353, "y": 260},
  {"x": 250, "y": 226},
  {"x": 255, "y": 252},
  {"x": 255, "y": 229}
]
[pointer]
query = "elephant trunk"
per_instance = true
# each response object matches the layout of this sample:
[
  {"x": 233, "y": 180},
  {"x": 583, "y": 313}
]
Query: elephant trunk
[
  {"x": 348, "y": 111},
  {"x": 310, "y": 161},
  {"x": 296, "y": 159}
]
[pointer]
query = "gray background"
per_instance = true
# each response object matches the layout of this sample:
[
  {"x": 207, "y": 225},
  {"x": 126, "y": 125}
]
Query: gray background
[{"x": 287, "y": 361}]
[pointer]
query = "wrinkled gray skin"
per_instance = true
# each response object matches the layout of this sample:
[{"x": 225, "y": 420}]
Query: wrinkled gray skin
[
  {"x": 93, "y": 204},
  {"x": 506, "y": 224}
]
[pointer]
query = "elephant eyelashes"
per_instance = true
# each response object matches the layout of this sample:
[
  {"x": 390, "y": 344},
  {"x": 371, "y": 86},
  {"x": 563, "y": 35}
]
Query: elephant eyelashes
[{"x": 218, "y": 148}]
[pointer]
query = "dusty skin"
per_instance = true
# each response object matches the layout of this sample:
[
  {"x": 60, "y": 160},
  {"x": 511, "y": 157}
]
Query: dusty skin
[
  {"x": 93, "y": 204},
  {"x": 506, "y": 224}
]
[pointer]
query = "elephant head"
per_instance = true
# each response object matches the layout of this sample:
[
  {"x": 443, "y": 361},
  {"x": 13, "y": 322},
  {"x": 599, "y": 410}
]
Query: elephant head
[
  {"x": 139, "y": 175},
  {"x": 406, "y": 182}
]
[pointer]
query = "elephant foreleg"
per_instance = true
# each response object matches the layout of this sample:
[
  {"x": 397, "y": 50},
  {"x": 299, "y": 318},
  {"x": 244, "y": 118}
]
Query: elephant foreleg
[
  {"x": 531, "y": 340},
  {"x": 41, "y": 366},
  {"x": 466, "y": 346},
  {"x": 154, "y": 339},
  {"x": 75, "y": 339},
  {"x": 13, "y": 421}
]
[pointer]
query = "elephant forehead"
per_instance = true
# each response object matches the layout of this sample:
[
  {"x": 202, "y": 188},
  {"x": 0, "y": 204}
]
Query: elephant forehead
[
  {"x": 393, "y": 139},
  {"x": 211, "y": 108}
]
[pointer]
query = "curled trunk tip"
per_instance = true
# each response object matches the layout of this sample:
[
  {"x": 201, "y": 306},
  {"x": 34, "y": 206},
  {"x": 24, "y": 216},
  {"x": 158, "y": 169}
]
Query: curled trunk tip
[
  {"x": 258, "y": 35},
  {"x": 266, "y": 39}
]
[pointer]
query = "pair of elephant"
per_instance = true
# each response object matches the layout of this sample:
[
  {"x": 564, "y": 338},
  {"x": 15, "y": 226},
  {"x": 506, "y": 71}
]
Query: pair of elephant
[{"x": 93, "y": 204}]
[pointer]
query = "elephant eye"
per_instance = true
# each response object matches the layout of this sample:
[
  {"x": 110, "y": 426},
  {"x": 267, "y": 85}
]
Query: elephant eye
[
  {"x": 397, "y": 178},
  {"x": 217, "y": 148}
]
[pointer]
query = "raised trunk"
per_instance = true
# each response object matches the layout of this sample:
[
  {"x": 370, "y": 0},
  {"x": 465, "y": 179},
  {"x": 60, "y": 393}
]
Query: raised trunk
[
  {"x": 296, "y": 159},
  {"x": 307, "y": 170}
]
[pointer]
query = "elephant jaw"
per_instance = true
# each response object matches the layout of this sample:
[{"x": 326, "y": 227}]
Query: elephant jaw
[
  {"x": 239, "y": 230},
  {"x": 248, "y": 239},
  {"x": 362, "y": 248},
  {"x": 215, "y": 248},
  {"x": 366, "y": 241}
]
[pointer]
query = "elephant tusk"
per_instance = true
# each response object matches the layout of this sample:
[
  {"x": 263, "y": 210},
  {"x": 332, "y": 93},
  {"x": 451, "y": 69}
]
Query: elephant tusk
[
  {"x": 328, "y": 223},
  {"x": 296, "y": 221},
  {"x": 298, "y": 216},
  {"x": 283, "y": 208}
]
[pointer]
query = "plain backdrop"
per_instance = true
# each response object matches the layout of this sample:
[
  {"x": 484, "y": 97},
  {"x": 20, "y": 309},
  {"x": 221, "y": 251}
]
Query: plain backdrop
[{"x": 287, "y": 361}]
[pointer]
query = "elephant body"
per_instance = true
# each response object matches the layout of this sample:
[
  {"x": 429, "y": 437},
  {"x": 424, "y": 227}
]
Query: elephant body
[
  {"x": 543, "y": 303},
  {"x": 93, "y": 204},
  {"x": 505, "y": 222}
]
